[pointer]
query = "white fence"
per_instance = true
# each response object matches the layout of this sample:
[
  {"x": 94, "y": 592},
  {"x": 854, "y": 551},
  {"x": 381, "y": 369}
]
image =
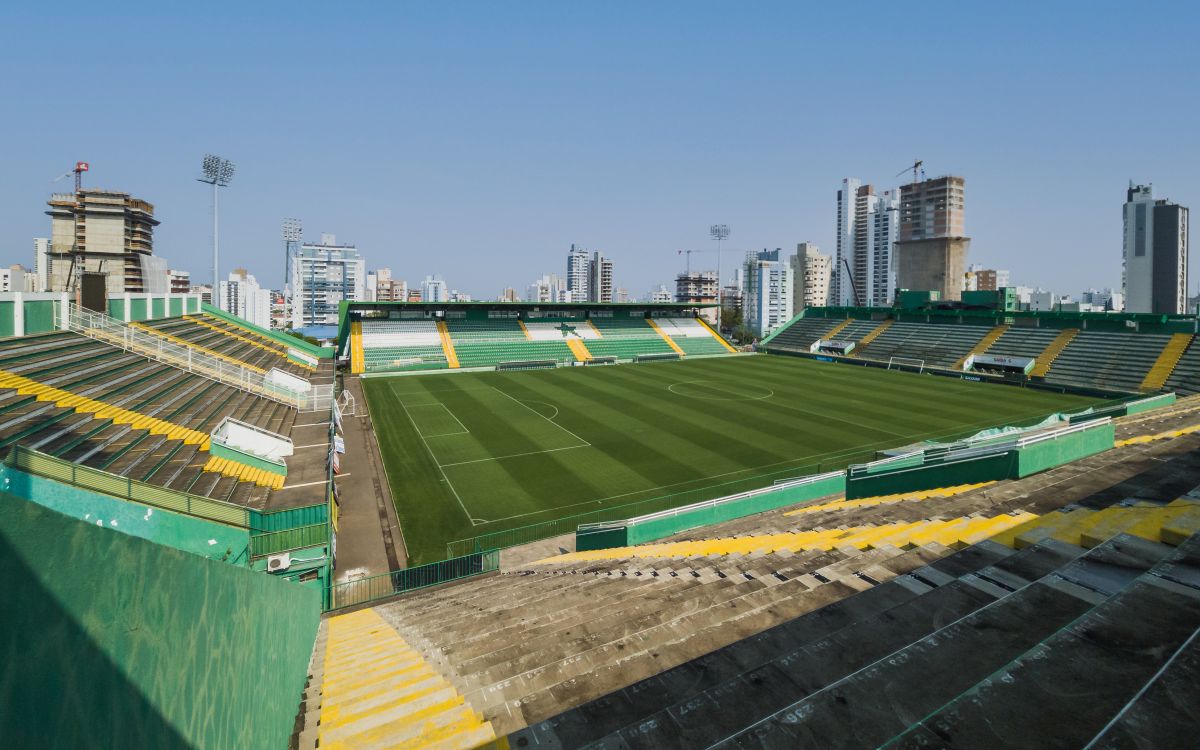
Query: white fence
[{"x": 140, "y": 341}]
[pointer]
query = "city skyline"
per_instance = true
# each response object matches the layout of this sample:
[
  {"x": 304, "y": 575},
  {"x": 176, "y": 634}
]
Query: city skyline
[{"x": 603, "y": 155}]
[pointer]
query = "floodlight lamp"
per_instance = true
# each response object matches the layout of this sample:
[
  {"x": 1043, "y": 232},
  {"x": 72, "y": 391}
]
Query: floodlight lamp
[{"x": 719, "y": 232}]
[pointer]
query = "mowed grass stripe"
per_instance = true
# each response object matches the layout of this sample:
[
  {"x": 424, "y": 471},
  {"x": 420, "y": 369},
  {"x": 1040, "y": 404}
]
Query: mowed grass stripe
[{"x": 649, "y": 443}]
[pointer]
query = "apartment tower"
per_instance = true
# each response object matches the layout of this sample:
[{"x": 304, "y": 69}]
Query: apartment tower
[
  {"x": 931, "y": 253},
  {"x": 1154, "y": 269}
]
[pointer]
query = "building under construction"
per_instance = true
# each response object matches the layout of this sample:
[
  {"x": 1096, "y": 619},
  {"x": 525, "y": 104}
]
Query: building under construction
[{"x": 104, "y": 231}]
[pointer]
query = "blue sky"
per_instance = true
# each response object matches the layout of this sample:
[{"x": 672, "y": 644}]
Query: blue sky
[{"x": 479, "y": 140}]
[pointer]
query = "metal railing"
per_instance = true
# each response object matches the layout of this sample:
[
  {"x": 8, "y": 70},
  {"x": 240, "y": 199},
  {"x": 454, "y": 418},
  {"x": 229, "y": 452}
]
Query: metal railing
[
  {"x": 273, "y": 542},
  {"x": 33, "y": 462},
  {"x": 363, "y": 590},
  {"x": 103, "y": 328}
]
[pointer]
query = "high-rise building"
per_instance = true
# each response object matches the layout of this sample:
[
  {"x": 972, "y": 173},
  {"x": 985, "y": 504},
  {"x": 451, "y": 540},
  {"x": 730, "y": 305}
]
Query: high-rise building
[
  {"x": 659, "y": 295},
  {"x": 381, "y": 287},
  {"x": 109, "y": 232},
  {"x": 931, "y": 252},
  {"x": 578, "y": 274},
  {"x": 600, "y": 279},
  {"x": 323, "y": 274},
  {"x": 241, "y": 295},
  {"x": 767, "y": 291},
  {"x": 509, "y": 294},
  {"x": 434, "y": 289},
  {"x": 1154, "y": 271},
  {"x": 811, "y": 275},
  {"x": 983, "y": 279},
  {"x": 41, "y": 262},
  {"x": 698, "y": 288},
  {"x": 866, "y": 234},
  {"x": 621, "y": 295}
]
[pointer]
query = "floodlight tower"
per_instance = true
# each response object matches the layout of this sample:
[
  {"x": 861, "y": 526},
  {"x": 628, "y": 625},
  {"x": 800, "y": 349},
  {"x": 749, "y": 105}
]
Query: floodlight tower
[
  {"x": 720, "y": 233},
  {"x": 218, "y": 172},
  {"x": 291, "y": 233}
]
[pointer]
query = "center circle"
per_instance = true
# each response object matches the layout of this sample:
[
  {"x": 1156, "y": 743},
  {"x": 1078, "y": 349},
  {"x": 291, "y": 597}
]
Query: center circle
[{"x": 720, "y": 391}]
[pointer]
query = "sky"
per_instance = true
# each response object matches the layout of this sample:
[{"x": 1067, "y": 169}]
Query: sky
[{"x": 478, "y": 140}]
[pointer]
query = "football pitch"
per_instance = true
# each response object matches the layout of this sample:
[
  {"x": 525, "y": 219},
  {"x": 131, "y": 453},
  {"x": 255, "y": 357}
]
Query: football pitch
[{"x": 468, "y": 454}]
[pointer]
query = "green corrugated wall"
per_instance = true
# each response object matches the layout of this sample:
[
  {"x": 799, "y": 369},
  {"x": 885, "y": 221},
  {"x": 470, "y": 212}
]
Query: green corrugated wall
[{"x": 115, "y": 641}]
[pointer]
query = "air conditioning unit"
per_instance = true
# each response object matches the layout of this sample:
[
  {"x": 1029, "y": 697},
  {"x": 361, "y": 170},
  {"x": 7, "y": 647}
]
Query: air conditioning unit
[{"x": 276, "y": 563}]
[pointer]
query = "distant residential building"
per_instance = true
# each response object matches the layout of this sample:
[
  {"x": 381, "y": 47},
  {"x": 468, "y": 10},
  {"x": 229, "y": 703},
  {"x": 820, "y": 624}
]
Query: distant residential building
[
  {"x": 41, "y": 262},
  {"x": 698, "y": 288},
  {"x": 600, "y": 279},
  {"x": 457, "y": 296},
  {"x": 767, "y": 293},
  {"x": 983, "y": 279},
  {"x": 181, "y": 281},
  {"x": 241, "y": 295},
  {"x": 1042, "y": 300},
  {"x": 414, "y": 294},
  {"x": 549, "y": 288},
  {"x": 1154, "y": 271},
  {"x": 866, "y": 234},
  {"x": 578, "y": 274},
  {"x": 381, "y": 287},
  {"x": 621, "y": 295},
  {"x": 812, "y": 273},
  {"x": 205, "y": 292},
  {"x": 111, "y": 233},
  {"x": 323, "y": 274},
  {"x": 434, "y": 289},
  {"x": 17, "y": 278},
  {"x": 509, "y": 294},
  {"x": 1104, "y": 299},
  {"x": 281, "y": 311},
  {"x": 660, "y": 295},
  {"x": 931, "y": 252}
]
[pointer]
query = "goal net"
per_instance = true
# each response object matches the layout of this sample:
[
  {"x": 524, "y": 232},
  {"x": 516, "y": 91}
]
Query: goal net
[{"x": 906, "y": 363}]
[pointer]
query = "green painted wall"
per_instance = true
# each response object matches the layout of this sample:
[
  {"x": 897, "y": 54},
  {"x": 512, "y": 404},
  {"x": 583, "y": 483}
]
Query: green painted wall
[
  {"x": 195, "y": 535},
  {"x": 7, "y": 310},
  {"x": 120, "y": 642},
  {"x": 116, "y": 308},
  {"x": 39, "y": 316},
  {"x": 158, "y": 307},
  {"x": 137, "y": 309},
  {"x": 177, "y": 306},
  {"x": 1051, "y": 453},
  {"x": 247, "y": 459},
  {"x": 930, "y": 477},
  {"x": 691, "y": 518}
]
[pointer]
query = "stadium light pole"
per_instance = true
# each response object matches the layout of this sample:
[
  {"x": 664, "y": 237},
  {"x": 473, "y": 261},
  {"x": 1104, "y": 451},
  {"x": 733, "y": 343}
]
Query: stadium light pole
[
  {"x": 291, "y": 233},
  {"x": 720, "y": 233},
  {"x": 218, "y": 172}
]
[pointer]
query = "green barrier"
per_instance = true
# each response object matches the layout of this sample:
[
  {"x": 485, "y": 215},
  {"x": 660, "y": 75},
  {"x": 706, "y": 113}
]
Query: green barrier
[
  {"x": 384, "y": 585},
  {"x": 113, "y": 640},
  {"x": 1146, "y": 404},
  {"x": 273, "y": 542},
  {"x": 290, "y": 518},
  {"x": 33, "y": 462},
  {"x": 246, "y": 459}
]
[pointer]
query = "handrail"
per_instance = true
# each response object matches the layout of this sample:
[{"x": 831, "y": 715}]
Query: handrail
[
  {"x": 383, "y": 585},
  {"x": 190, "y": 359},
  {"x": 44, "y": 465}
]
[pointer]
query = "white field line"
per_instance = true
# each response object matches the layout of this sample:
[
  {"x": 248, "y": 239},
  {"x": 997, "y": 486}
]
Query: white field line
[
  {"x": 585, "y": 444},
  {"x": 445, "y": 478},
  {"x": 514, "y": 455},
  {"x": 463, "y": 431}
]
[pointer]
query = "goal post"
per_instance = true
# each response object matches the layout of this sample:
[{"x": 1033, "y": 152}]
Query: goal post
[{"x": 911, "y": 364}]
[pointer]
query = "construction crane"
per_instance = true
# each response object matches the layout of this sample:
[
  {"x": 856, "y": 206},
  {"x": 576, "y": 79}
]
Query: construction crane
[
  {"x": 917, "y": 166},
  {"x": 76, "y": 270},
  {"x": 689, "y": 257}
]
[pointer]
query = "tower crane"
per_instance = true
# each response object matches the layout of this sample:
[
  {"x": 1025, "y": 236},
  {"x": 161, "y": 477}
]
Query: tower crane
[
  {"x": 917, "y": 166},
  {"x": 689, "y": 257}
]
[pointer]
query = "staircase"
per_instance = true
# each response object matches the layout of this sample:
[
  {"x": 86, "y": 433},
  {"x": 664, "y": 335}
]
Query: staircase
[
  {"x": 665, "y": 337},
  {"x": 1165, "y": 364},
  {"x": 1047, "y": 357},
  {"x": 984, "y": 344},
  {"x": 578, "y": 349},
  {"x": 376, "y": 691},
  {"x": 448, "y": 345},
  {"x": 874, "y": 334},
  {"x": 833, "y": 332},
  {"x": 358, "y": 357}
]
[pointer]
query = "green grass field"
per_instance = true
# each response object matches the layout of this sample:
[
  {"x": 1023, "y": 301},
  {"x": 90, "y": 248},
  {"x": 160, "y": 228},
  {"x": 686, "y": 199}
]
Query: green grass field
[{"x": 474, "y": 453}]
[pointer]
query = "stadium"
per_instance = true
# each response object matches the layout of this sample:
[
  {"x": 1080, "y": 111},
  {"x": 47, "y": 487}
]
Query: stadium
[{"x": 467, "y": 525}]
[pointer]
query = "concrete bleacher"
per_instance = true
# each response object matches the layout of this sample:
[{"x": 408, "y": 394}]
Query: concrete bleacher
[
  {"x": 92, "y": 404},
  {"x": 402, "y": 345},
  {"x": 1185, "y": 378},
  {"x": 1107, "y": 359},
  {"x": 217, "y": 336},
  {"x": 803, "y": 333},
  {"x": 938, "y": 345},
  {"x": 746, "y": 632}
]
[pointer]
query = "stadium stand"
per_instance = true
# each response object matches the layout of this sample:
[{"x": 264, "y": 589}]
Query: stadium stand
[
  {"x": 1023, "y": 342},
  {"x": 1167, "y": 361},
  {"x": 729, "y": 634},
  {"x": 402, "y": 345},
  {"x": 803, "y": 333},
  {"x": 1118, "y": 361},
  {"x": 983, "y": 345},
  {"x": 89, "y": 403},
  {"x": 1185, "y": 378},
  {"x": 213, "y": 335},
  {"x": 938, "y": 345}
]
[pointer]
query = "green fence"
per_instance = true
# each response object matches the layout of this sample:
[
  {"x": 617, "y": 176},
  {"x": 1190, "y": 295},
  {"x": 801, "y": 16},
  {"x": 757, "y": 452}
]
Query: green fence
[
  {"x": 372, "y": 588},
  {"x": 272, "y": 542},
  {"x": 41, "y": 464},
  {"x": 665, "y": 523},
  {"x": 289, "y": 518}
]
